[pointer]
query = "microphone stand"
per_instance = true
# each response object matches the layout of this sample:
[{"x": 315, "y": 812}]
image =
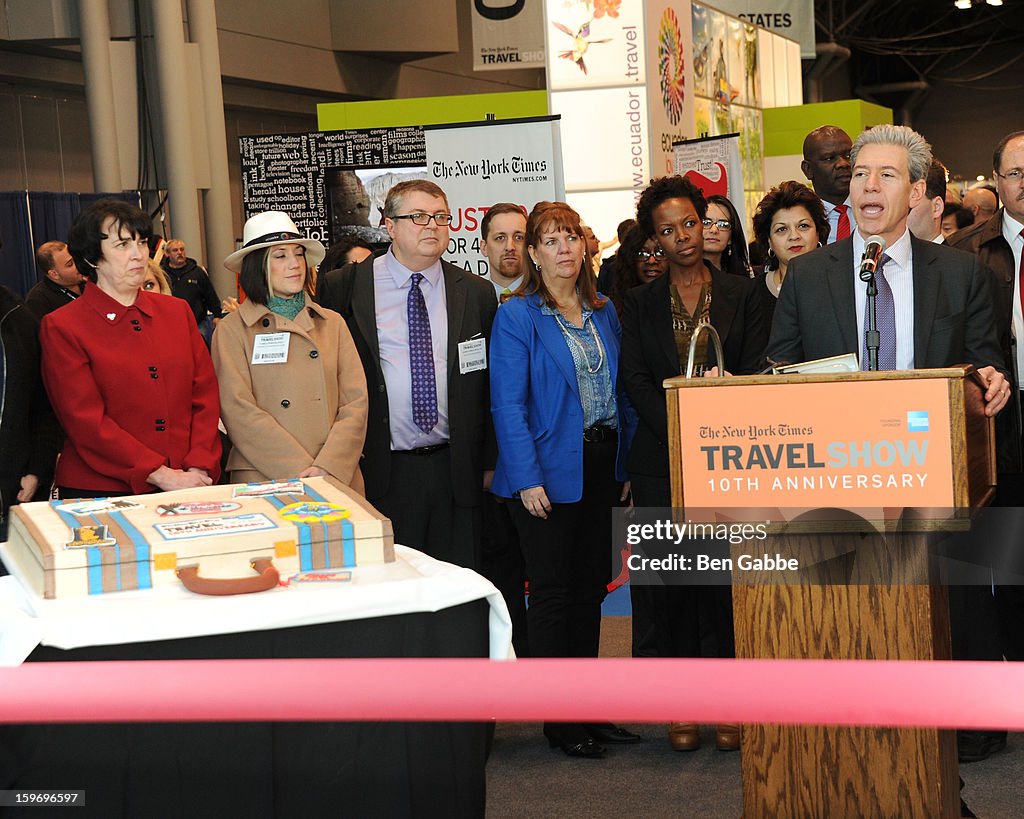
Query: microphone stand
[{"x": 872, "y": 339}]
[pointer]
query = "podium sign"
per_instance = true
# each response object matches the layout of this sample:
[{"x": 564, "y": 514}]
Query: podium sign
[
  {"x": 890, "y": 437},
  {"x": 772, "y": 447}
]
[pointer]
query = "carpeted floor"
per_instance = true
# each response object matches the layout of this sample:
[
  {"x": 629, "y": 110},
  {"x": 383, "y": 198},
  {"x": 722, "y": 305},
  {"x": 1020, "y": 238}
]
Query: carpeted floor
[{"x": 525, "y": 778}]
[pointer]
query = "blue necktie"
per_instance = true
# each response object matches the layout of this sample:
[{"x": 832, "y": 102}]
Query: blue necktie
[
  {"x": 421, "y": 359},
  {"x": 885, "y": 319}
]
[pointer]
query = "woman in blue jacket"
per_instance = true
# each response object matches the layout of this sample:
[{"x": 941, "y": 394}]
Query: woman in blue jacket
[{"x": 561, "y": 437}]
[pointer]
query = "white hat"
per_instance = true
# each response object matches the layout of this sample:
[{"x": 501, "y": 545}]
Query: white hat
[{"x": 272, "y": 227}]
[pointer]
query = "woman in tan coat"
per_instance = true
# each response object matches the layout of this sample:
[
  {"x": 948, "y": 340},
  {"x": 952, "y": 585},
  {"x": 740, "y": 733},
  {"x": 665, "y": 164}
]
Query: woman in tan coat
[{"x": 293, "y": 392}]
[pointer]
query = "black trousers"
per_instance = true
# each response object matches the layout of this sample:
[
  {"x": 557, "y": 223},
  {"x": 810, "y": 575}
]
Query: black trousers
[
  {"x": 569, "y": 560},
  {"x": 422, "y": 509},
  {"x": 678, "y": 621},
  {"x": 502, "y": 563}
]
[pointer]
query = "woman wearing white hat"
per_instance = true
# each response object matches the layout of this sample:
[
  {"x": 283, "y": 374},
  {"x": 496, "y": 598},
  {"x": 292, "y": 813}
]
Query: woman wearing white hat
[{"x": 293, "y": 392}]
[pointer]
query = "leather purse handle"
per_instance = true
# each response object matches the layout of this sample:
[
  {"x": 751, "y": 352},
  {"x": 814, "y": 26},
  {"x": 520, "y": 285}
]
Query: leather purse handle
[{"x": 267, "y": 577}]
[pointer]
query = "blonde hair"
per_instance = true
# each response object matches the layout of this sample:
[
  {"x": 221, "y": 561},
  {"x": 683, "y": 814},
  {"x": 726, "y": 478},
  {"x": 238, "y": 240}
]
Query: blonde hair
[{"x": 154, "y": 269}]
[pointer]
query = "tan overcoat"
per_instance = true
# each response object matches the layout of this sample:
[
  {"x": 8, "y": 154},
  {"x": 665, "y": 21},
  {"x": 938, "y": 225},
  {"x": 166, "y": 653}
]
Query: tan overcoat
[{"x": 308, "y": 411}]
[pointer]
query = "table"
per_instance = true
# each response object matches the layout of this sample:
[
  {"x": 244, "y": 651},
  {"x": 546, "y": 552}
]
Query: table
[{"x": 416, "y": 607}]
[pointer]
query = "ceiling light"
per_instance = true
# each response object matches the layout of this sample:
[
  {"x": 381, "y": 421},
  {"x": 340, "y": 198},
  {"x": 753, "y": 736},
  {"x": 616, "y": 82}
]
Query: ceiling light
[
  {"x": 994, "y": 2},
  {"x": 980, "y": 178},
  {"x": 962, "y": 4}
]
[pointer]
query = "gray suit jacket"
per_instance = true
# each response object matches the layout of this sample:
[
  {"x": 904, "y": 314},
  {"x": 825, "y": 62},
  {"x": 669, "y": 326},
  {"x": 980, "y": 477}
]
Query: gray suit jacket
[{"x": 816, "y": 315}]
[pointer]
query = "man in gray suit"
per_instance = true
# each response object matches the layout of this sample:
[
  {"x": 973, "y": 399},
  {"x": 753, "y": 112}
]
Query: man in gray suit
[{"x": 942, "y": 299}]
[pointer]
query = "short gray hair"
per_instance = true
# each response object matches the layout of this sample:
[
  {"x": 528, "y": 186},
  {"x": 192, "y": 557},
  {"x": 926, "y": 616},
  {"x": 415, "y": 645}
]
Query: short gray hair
[{"x": 919, "y": 152}]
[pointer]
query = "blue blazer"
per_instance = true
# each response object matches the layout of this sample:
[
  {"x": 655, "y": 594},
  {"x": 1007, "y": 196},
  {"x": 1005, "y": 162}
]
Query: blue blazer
[{"x": 535, "y": 401}]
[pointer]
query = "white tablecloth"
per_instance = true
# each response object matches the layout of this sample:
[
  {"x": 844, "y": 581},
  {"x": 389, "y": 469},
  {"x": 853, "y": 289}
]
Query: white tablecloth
[{"x": 413, "y": 583}]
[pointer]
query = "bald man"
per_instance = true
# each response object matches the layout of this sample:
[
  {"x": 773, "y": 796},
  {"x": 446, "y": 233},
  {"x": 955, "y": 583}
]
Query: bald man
[
  {"x": 827, "y": 166},
  {"x": 982, "y": 203}
]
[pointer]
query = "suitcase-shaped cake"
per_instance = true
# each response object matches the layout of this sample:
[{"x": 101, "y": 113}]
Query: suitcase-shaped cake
[{"x": 309, "y": 527}]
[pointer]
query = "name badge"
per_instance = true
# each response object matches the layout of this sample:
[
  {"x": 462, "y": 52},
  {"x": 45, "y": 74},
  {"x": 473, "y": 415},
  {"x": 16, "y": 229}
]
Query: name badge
[
  {"x": 270, "y": 348},
  {"x": 472, "y": 355}
]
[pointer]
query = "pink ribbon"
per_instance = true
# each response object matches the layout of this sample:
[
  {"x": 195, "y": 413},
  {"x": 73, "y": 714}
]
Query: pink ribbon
[{"x": 837, "y": 692}]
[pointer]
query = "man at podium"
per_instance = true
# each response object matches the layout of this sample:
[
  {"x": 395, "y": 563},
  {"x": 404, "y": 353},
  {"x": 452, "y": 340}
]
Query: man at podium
[
  {"x": 934, "y": 304},
  {"x": 934, "y": 308}
]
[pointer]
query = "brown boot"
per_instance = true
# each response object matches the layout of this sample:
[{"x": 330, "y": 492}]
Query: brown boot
[
  {"x": 684, "y": 736},
  {"x": 727, "y": 737}
]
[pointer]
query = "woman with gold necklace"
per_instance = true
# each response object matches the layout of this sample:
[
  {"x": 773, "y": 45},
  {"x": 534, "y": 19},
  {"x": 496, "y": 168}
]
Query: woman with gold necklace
[
  {"x": 562, "y": 430},
  {"x": 658, "y": 321}
]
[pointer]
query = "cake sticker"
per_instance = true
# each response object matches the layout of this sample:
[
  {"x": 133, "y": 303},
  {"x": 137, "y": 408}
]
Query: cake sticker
[
  {"x": 166, "y": 510},
  {"x": 86, "y": 537},
  {"x": 95, "y": 507},
  {"x": 313, "y": 512},
  {"x": 214, "y": 527},
  {"x": 259, "y": 490}
]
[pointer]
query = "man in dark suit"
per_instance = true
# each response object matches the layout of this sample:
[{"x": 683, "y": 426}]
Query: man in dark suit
[
  {"x": 826, "y": 165},
  {"x": 421, "y": 327},
  {"x": 941, "y": 305},
  {"x": 999, "y": 244},
  {"x": 925, "y": 220},
  {"x": 943, "y": 310}
]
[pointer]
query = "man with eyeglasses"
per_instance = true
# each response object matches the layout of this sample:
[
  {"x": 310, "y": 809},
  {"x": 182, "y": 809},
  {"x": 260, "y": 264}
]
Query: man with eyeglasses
[
  {"x": 421, "y": 327},
  {"x": 998, "y": 242}
]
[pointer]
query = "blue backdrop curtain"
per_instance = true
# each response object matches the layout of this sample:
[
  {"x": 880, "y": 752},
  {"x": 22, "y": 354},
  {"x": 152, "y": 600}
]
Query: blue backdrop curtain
[
  {"x": 17, "y": 269},
  {"x": 29, "y": 218},
  {"x": 134, "y": 197},
  {"x": 51, "y": 215}
]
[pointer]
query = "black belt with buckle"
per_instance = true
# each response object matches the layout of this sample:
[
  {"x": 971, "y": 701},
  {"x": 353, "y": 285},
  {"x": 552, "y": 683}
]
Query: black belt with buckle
[
  {"x": 423, "y": 450},
  {"x": 595, "y": 435}
]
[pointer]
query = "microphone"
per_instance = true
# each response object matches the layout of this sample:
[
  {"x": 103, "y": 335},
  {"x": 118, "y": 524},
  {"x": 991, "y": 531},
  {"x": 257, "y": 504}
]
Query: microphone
[{"x": 873, "y": 250}]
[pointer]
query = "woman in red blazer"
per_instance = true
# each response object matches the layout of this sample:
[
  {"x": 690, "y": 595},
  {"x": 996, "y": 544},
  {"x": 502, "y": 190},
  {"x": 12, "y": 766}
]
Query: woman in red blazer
[{"x": 127, "y": 372}]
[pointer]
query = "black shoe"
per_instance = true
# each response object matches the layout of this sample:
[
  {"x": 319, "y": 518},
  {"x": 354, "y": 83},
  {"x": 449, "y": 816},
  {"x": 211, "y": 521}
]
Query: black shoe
[
  {"x": 572, "y": 738},
  {"x": 588, "y": 749},
  {"x": 612, "y": 734},
  {"x": 974, "y": 746}
]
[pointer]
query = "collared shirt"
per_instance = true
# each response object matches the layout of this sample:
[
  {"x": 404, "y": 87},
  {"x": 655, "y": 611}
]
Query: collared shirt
[
  {"x": 391, "y": 283},
  {"x": 499, "y": 289},
  {"x": 899, "y": 272},
  {"x": 593, "y": 372},
  {"x": 1011, "y": 233},
  {"x": 832, "y": 214}
]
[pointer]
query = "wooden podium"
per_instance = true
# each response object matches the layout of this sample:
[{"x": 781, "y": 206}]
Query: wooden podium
[{"x": 893, "y": 455}]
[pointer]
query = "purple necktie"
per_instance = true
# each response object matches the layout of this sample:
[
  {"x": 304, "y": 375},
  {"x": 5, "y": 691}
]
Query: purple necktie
[
  {"x": 885, "y": 319},
  {"x": 421, "y": 359}
]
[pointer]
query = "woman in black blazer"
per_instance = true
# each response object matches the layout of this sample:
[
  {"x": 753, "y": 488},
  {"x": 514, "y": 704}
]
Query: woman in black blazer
[{"x": 658, "y": 319}]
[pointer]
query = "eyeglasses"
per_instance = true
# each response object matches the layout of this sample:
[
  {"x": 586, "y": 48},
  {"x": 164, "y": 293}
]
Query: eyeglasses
[
  {"x": 646, "y": 254},
  {"x": 422, "y": 219},
  {"x": 721, "y": 224},
  {"x": 1014, "y": 175}
]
